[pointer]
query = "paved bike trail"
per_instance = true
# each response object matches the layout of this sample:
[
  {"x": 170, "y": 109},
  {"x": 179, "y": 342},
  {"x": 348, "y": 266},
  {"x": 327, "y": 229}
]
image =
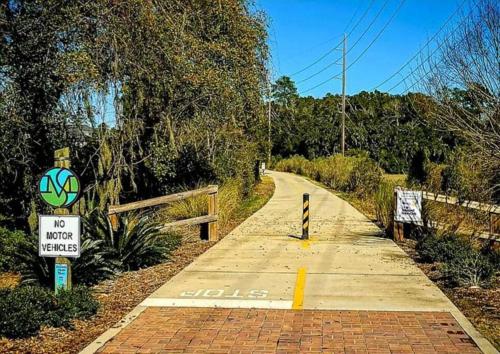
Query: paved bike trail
[{"x": 262, "y": 289}]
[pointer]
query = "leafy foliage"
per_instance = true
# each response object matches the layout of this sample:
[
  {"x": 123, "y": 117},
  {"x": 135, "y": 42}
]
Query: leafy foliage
[
  {"x": 139, "y": 241},
  {"x": 390, "y": 128},
  {"x": 24, "y": 309},
  {"x": 9, "y": 243},
  {"x": 462, "y": 264},
  {"x": 184, "y": 81},
  {"x": 442, "y": 249},
  {"x": 471, "y": 269}
]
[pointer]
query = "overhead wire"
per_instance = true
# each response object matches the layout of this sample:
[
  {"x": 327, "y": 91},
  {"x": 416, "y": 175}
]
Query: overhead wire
[
  {"x": 425, "y": 45},
  {"x": 317, "y": 60},
  {"x": 365, "y": 50},
  {"x": 370, "y": 5},
  {"x": 369, "y": 25},
  {"x": 336, "y": 47},
  {"x": 439, "y": 46},
  {"x": 352, "y": 47}
]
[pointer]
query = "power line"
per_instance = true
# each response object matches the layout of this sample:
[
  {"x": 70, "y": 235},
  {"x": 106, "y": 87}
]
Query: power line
[
  {"x": 317, "y": 60},
  {"x": 439, "y": 46},
  {"x": 425, "y": 45},
  {"x": 336, "y": 62},
  {"x": 361, "y": 18},
  {"x": 353, "y": 16},
  {"x": 336, "y": 47},
  {"x": 370, "y": 25},
  {"x": 352, "y": 47},
  {"x": 366, "y": 49},
  {"x": 401, "y": 3},
  {"x": 415, "y": 69}
]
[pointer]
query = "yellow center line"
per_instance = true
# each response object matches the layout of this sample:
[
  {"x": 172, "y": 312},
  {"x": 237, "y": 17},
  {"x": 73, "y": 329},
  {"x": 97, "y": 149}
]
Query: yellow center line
[{"x": 298, "y": 293}]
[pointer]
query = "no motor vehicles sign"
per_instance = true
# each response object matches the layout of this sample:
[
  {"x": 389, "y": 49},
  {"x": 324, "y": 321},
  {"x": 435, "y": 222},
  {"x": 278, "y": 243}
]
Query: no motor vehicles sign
[
  {"x": 59, "y": 236},
  {"x": 409, "y": 207}
]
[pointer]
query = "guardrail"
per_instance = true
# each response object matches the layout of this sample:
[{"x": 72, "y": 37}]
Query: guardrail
[
  {"x": 492, "y": 209},
  {"x": 210, "y": 219}
]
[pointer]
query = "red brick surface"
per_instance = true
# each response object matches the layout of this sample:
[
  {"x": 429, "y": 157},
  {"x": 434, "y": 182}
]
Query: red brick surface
[{"x": 216, "y": 330}]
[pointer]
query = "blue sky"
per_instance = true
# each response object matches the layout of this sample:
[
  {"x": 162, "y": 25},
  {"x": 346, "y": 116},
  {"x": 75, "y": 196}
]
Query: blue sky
[{"x": 301, "y": 31}]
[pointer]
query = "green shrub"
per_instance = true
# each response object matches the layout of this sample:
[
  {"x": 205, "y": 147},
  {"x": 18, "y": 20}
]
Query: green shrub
[
  {"x": 442, "y": 249},
  {"x": 335, "y": 171},
  {"x": 24, "y": 309},
  {"x": 75, "y": 303},
  {"x": 10, "y": 241},
  {"x": 295, "y": 164},
  {"x": 139, "y": 241},
  {"x": 434, "y": 177},
  {"x": 470, "y": 269},
  {"x": 95, "y": 263},
  {"x": 493, "y": 255},
  {"x": 463, "y": 265},
  {"x": 35, "y": 270},
  {"x": 365, "y": 177}
]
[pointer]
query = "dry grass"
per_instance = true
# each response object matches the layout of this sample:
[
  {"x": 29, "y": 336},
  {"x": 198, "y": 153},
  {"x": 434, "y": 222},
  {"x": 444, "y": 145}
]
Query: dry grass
[
  {"x": 230, "y": 198},
  {"x": 9, "y": 280},
  {"x": 397, "y": 179}
]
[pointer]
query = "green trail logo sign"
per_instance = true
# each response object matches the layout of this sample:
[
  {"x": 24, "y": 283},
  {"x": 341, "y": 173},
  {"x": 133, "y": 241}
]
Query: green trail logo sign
[{"x": 59, "y": 187}]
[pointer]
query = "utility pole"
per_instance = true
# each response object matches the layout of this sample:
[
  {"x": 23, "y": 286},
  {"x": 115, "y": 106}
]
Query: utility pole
[
  {"x": 269, "y": 124},
  {"x": 343, "y": 93}
]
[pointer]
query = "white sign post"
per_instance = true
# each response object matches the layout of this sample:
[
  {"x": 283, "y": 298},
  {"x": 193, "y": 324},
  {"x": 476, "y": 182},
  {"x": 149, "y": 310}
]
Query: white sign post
[
  {"x": 409, "y": 207},
  {"x": 59, "y": 235}
]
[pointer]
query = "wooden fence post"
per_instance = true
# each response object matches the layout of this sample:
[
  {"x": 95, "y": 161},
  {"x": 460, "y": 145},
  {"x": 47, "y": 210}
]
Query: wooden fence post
[
  {"x": 494, "y": 223},
  {"x": 62, "y": 159},
  {"x": 398, "y": 227},
  {"x": 213, "y": 208},
  {"x": 113, "y": 218}
]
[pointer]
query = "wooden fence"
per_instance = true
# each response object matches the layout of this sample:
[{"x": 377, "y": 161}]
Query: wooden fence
[
  {"x": 492, "y": 209},
  {"x": 210, "y": 220}
]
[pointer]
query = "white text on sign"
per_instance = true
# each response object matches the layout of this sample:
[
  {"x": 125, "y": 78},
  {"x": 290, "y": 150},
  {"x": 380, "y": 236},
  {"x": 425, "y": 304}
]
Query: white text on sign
[{"x": 59, "y": 236}]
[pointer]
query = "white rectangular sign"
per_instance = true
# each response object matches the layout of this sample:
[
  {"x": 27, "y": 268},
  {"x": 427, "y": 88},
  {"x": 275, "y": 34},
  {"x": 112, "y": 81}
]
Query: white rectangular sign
[
  {"x": 59, "y": 235},
  {"x": 409, "y": 207}
]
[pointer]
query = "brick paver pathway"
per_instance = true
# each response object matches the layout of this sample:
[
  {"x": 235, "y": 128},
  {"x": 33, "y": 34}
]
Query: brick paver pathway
[{"x": 217, "y": 330}]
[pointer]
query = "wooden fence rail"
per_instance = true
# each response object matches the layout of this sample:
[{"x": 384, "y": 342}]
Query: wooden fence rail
[
  {"x": 492, "y": 209},
  {"x": 210, "y": 220}
]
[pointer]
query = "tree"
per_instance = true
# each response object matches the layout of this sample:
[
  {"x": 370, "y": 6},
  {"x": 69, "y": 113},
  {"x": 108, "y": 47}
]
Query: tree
[
  {"x": 180, "y": 80},
  {"x": 464, "y": 82},
  {"x": 284, "y": 92}
]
